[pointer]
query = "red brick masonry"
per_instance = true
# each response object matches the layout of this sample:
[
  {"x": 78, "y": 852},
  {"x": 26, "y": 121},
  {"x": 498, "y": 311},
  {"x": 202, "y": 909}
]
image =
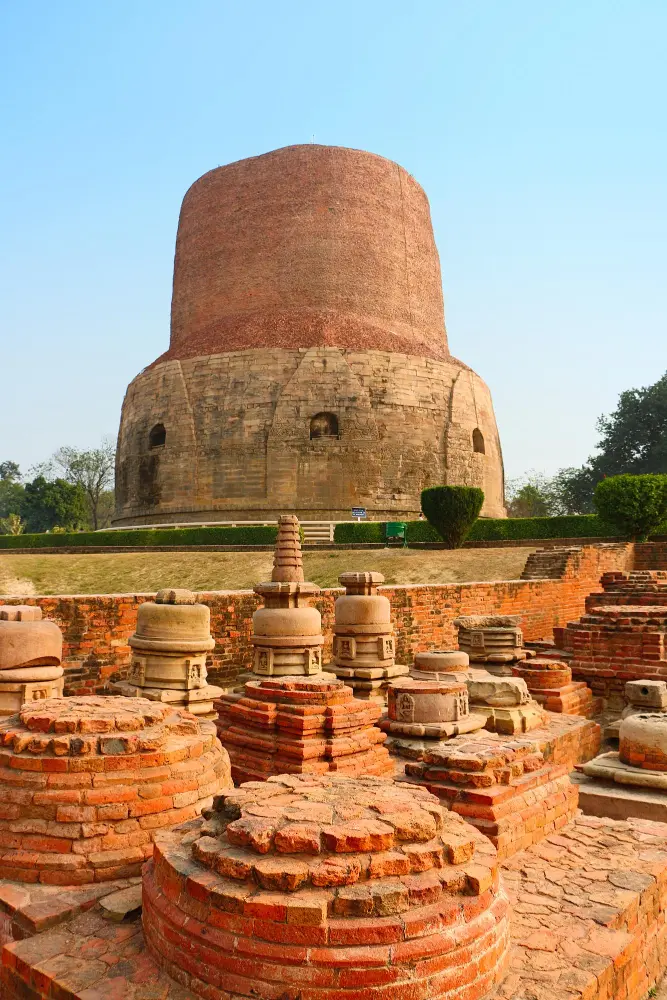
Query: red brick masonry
[
  {"x": 96, "y": 628},
  {"x": 506, "y": 790},
  {"x": 328, "y": 888},
  {"x": 85, "y": 783}
]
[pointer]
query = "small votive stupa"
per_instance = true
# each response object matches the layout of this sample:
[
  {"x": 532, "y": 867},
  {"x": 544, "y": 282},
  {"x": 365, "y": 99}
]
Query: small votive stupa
[
  {"x": 363, "y": 643},
  {"x": 169, "y": 650},
  {"x": 30, "y": 657},
  {"x": 292, "y": 717}
]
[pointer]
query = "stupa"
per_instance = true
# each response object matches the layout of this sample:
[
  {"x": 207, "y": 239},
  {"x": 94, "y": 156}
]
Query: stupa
[
  {"x": 551, "y": 685},
  {"x": 292, "y": 717},
  {"x": 324, "y": 886},
  {"x": 363, "y": 643},
  {"x": 308, "y": 367},
  {"x": 169, "y": 650},
  {"x": 85, "y": 784},
  {"x": 621, "y": 637},
  {"x": 30, "y": 657},
  {"x": 287, "y": 632},
  {"x": 505, "y": 788}
]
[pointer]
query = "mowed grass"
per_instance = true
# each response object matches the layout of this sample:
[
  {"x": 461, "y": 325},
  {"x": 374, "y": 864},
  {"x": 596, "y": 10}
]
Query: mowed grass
[{"x": 144, "y": 572}]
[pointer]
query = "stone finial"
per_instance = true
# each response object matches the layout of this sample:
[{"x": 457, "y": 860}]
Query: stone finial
[
  {"x": 287, "y": 559},
  {"x": 20, "y": 613},
  {"x": 168, "y": 596}
]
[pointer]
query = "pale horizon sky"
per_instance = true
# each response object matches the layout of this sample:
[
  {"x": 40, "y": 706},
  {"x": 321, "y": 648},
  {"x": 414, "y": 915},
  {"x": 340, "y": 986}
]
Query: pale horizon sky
[{"x": 537, "y": 131}]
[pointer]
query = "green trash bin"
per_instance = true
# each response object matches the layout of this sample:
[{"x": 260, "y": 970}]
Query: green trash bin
[{"x": 395, "y": 531}]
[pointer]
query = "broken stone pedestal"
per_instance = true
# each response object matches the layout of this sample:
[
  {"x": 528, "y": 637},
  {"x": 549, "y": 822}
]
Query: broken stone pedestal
[
  {"x": 363, "y": 643},
  {"x": 429, "y": 710},
  {"x": 550, "y": 683},
  {"x": 639, "y": 764},
  {"x": 30, "y": 657},
  {"x": 505, "y": 703},
  {"x": 169, "y": 650},
  {"x": 642, "y": 696},
  {"x": 494, "y": 640},
  {"x": 441, "y": 665}
]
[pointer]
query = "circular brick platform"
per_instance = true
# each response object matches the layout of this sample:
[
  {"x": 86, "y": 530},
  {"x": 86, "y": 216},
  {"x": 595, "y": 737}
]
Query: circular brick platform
[
  {"x": 85, "y": 783},
  {"x": 330, "y": 885}
]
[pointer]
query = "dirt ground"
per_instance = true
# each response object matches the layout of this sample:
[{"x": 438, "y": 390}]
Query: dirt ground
[{"x": 143, "y": 572}]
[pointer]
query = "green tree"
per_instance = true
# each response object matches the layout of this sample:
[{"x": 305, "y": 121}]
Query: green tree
[
  {"x": 634, "y": 436},
  {"x": 529, "y": 496},
  {"x": 93, "y": 472},
  {"x": 635, "y": 505},
  {"x": 11, "y": 525},
  {"x": 11, "y": 490},
  {"x": 48, "y": 504}
]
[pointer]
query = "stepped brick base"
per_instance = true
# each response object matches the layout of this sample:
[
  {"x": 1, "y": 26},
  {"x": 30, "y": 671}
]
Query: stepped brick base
[
  {"x": 85, "y": 783},
  {"x": 587, "y": 922},
  {"x": 550, "y": 683},
  {"x": 505, "y": 789},
  {"x": 295, "y": 725}
]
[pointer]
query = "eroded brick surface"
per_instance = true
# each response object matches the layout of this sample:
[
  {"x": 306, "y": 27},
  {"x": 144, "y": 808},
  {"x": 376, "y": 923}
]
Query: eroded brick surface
[
  {"x": 86, "y": 782},
  {"x": 504, "y": 788},
  {"x": 289, "y": 725}
]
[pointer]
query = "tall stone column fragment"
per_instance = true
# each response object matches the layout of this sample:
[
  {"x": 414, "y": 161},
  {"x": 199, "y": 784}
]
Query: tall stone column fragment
[{"x": 30, "y": 657}]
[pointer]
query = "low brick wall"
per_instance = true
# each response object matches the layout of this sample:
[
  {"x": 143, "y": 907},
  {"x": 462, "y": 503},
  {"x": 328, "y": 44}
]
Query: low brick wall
[{"x": 96, "y": 628}]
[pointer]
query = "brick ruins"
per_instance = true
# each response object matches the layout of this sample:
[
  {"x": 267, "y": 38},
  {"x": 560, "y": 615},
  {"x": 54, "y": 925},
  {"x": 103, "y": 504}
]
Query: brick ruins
[
  {"x": 471, "y": 876},
  {"x": 308, "y": 366}
]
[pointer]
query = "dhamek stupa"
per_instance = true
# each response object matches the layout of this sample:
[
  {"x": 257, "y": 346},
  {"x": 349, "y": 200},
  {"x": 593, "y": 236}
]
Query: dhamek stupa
[{"x": 308, "y": 368}]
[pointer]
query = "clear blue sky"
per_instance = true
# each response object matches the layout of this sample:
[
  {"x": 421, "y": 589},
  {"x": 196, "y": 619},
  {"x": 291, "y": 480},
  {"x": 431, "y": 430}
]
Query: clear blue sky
[{"x": 538, "y": 130}]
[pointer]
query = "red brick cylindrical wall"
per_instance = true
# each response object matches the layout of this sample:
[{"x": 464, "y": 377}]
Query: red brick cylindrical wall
[{"x": 307, "y": 246}]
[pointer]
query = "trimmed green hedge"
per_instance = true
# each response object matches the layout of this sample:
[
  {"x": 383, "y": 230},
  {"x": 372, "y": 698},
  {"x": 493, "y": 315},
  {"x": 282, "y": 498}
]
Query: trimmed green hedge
[
  {"x": 489, "y": 529},
  {"x": 253, "y": 534},
  {"x": 359, "y": 532}
]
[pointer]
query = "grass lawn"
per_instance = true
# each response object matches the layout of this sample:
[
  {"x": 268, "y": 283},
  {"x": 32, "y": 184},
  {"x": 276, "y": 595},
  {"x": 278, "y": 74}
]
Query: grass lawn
[{"x": 143, "y": 572}]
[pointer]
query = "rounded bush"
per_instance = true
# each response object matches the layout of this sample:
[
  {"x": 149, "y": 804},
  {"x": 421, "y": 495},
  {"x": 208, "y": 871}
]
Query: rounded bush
[
  {"x": 635, "y": 505},
  {"x": 452, "y": 511}
]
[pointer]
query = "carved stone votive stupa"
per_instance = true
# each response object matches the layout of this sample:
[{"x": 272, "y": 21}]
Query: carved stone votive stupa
[
  {"x": 505, "y": 703},
  {"x": 30, "y": 657},
  {"x": 169, "y": 650},
  {"x": 287, "y": 633},
  {"x": 494, "y": 640},
  {"x": 363, "y": 643}
]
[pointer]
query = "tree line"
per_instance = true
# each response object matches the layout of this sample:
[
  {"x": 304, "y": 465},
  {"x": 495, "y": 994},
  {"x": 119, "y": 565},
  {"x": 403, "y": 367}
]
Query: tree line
[
  {"x": 633, "y": 440},
  {"x": 72, "y": 491}
]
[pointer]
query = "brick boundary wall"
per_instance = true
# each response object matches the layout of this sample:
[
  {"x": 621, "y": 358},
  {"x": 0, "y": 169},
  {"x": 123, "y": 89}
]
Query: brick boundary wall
[{"x": 96, "y": 628}]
